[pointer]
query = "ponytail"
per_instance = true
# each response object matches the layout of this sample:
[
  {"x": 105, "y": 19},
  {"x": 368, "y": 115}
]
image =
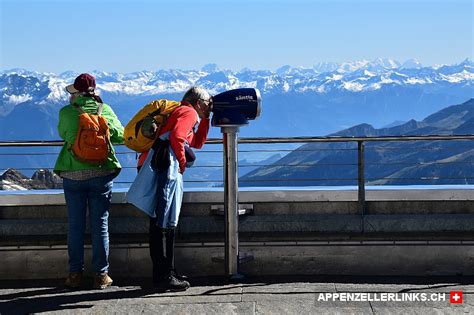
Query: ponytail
[
  {"x": 94, "y": 96},
  {"x": 97, "y": 98}
]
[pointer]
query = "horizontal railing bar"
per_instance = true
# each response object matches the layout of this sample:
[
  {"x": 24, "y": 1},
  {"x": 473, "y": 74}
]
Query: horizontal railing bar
[
  {"x": 284, "y": 165},
  {"x": 420, "y": 163},
  {"x": 338, "y": 179},
  {"x": 262, "y": 180},
  {"x": 276, "y": 140},
  {"x": 378, "y": 149},
  {"x": 280, "y": 150},
  {"x": 31, "y": 143},
  {"x": 433, "y": 148},
  {"x": 349, "y": 139},
  {"x": 343, "y": 164},
  {"x": 294, "y": 179},
  {"x": 309, "y": 180},
  {"x": 367, "y": 179},
  {"x": 28, "y": 154},
  {"x": 186, "y": 181},
  {"x": 422, "y": 178},
  {"x": 292, "y": 150}
]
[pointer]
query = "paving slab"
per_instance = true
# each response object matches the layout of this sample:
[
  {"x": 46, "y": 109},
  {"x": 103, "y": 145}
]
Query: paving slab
[
  {"x": 164, "y": 309},
  {"x": 427, "y": 307},
  {"x": 305, "y": 307},
  {"x": 379, "y": 287},
  {"x": 194, "y": 295}
]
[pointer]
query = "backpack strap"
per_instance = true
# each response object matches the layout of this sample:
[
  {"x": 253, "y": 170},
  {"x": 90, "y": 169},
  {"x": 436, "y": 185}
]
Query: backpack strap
[
  {"x": 81, "y": 110},
  {"x": 99, "y": 109}
]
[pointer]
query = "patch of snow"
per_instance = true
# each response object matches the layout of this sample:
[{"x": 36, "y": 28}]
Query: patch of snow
[
  {"x": 353, "y": 86},
  {"x": 17, "y": 99}
]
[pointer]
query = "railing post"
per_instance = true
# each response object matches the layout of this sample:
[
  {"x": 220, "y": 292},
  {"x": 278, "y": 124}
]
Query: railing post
[
  {"x": 231, "y": 201},
  {"x": 361, "y": 182}
]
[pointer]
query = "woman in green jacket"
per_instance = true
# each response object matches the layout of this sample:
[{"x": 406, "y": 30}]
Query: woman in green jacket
[{"x": 87, "y": 185}]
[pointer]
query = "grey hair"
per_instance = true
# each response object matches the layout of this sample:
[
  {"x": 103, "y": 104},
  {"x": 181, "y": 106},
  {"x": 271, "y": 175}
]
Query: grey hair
[{"x": 194, "y": 94}]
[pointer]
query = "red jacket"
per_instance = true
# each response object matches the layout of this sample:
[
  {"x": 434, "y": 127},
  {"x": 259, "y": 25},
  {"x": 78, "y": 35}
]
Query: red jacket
[{"x": 181, "y": 124}]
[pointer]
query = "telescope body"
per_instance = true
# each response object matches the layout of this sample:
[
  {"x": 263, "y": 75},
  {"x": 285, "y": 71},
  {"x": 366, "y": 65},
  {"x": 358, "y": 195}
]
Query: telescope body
[{"x": 235, "y": 108}]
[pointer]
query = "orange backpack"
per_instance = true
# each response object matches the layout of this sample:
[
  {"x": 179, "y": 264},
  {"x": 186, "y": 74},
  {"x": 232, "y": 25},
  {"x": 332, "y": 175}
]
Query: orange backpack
[{"x": 92, "y": 144}]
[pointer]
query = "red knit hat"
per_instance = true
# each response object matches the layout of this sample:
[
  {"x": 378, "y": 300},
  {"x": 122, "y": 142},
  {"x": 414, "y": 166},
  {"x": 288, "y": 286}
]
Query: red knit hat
[{"x": 84, "y": 83}]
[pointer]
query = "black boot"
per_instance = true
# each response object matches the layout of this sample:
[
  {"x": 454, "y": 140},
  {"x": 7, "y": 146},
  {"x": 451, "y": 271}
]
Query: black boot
[
  {"x": 171, "y": 283},
  {"x": 179, "y": 276}
]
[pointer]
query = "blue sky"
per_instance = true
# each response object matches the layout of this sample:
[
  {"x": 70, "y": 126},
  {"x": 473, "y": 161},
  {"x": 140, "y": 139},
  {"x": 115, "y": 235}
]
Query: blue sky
[{"x": 127, "y": 36}]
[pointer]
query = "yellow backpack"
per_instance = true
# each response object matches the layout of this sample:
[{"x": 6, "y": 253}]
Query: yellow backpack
[{"x": 143, "y": 129}]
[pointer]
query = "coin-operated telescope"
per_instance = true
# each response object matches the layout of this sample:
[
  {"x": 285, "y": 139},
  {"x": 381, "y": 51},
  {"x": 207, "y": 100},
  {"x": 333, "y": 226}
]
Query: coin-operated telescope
[{"x": 232, "y": 109}]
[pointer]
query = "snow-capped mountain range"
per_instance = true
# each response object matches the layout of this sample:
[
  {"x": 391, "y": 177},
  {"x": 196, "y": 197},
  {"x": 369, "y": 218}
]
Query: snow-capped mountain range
[{"x": 334, "y": 95}]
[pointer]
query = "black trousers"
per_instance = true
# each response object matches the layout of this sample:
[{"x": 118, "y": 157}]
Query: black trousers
[
  {"x": 161, "y": 242},
  {"x": 161, "y": 250}
]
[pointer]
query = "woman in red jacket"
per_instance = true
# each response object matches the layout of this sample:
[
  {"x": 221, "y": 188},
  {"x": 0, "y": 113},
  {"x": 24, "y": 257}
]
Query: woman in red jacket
[{"x": 187, "y": 126}]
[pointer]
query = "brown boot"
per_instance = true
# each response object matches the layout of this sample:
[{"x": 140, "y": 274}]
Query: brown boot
[
  {"x": 102, "y": 281},
  {"x": 73, "y": 280}
]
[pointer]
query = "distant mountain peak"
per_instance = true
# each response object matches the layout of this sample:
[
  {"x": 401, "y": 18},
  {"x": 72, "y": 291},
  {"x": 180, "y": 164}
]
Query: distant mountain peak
[
  {"x": 283, "y": 70},
  {"x": 12, "y": 174},
  {"x": 467, "y": 62},
  {"x": 13, "y": 179},
  {"x": 322, "y": 67},
  {"x": 411, "y": 64},
  {"x": 210, "y": 68},
  {"x": 386, "y": 63},
  {"x": 358, "y": 130}
]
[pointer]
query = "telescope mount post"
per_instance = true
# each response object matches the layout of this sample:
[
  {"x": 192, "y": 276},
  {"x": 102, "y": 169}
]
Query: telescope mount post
[{"x": 231, "y": 215}]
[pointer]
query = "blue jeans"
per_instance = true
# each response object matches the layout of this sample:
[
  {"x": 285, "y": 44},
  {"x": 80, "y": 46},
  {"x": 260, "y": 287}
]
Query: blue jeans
[{"x": 95, "y": 194}]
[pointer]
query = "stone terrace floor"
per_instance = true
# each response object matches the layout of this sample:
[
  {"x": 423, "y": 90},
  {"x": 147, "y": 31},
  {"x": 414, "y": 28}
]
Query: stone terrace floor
[{"x": 256, "y": 295}]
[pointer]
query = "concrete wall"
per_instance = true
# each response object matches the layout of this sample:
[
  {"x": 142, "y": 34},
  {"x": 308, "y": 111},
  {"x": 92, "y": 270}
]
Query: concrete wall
[
  {"x": 403, "y": 232},
  {"x": 269, "y": 258}
]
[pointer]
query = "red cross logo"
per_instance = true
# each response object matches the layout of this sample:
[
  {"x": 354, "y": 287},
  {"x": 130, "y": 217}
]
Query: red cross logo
[{"x": 455, "y": 297}]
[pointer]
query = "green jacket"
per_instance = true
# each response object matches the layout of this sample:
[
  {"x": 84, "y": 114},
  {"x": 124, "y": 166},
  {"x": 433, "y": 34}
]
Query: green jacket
[{"x": 67, "y": 128}]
